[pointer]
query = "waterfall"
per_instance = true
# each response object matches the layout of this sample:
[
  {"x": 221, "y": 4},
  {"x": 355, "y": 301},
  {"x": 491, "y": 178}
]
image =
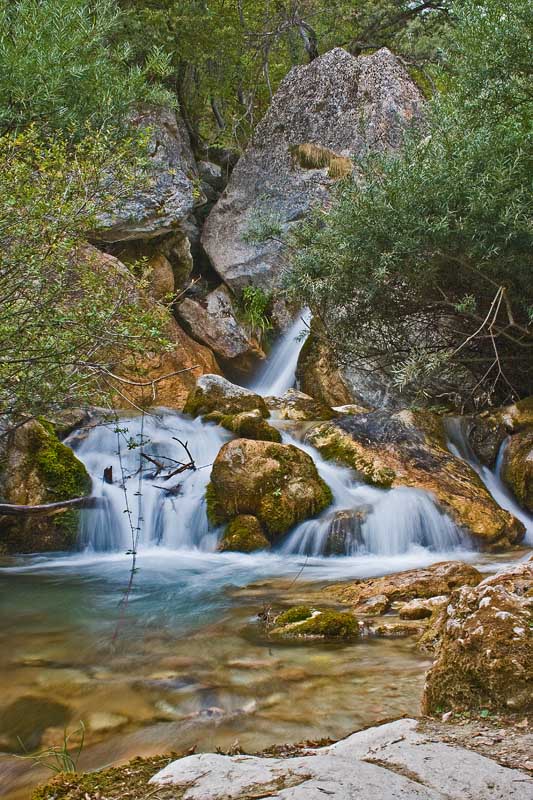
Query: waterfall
[
  {"x": 279, "y": 372},
  {"x": 459, "y": 445},
  {"x": 170, "y": 513}
]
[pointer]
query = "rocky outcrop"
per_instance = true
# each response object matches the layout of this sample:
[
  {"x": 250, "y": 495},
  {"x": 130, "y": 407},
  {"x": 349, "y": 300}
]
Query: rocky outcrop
[
  {"x": 216, "y": 395},
  {"x": 213, "y": 321},
  {"x": 434, "y": 581},
  {"x": 167, "y": 199},
  {"x": 385, "y": 762},
  {"x": 517, "y": 467},
  {"x": 318, "y": 375},
  {"x": 409, "y": 449},
  {"x": 484, "y": 655},
  {"x": 276, "y": 483},
  {"x": 323, "y": 115},
  {"x": 38, "y": 469},
  {"x": 166, "y": 261}
]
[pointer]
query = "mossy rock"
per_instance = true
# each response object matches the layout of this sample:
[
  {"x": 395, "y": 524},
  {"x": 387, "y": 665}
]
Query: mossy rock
[
  {"x": 214, "y": 394},
  {"x": 277, "y": 483},
  {"x": 517, "y": 471},
  {"x": 244, "y": 534},
  {"x": 327, "y": 624},
  {"x": 250, "y": 425},
  {"x": 40, "y": 469},
  {"x": 297, "y": 406}
]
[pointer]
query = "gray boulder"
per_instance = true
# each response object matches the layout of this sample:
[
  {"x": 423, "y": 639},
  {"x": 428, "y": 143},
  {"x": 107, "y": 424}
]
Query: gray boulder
[
  {"x": 324, "y": 114},
  {"x": 168, "y": 200}
]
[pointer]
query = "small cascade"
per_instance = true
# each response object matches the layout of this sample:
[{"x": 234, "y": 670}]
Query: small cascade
[
  {"x": 279, "y": 372},
  {"x": 459, "y": 445},
  {"x": 171, "y": 512},
  {"x": 372, "y": 521}
]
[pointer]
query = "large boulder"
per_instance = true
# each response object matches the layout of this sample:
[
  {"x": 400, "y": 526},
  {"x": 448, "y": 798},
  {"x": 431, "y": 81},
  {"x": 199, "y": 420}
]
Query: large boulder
[
  {"x": 166, "y": 200},
  {"x": 409, "y": 449},
  {"x": 37, "y": 469},
  {"x": 517, "y": 467},
  {"x": 434, "y": 581},
  {"x": 484, "y": 656},
  {"x": 214, "y": 322},
  {"x": 214, "y": 395},
  {"x": 276, "y": 483},
  {"x": 324, "y": 114}
]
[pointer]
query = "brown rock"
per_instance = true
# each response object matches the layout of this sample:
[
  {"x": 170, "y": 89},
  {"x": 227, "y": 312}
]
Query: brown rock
[
  {"x": 298, "y": 407},
  {"x": 422, "y": 609},
  {"x": 317, "y": 374},
  {"x": 517, "y": 468},
  {"x": 485, "y": 653}
]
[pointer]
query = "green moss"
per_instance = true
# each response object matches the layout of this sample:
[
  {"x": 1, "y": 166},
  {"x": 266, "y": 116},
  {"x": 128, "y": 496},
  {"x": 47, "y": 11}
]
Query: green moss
[
  {"x": 244, "y": 534},
  {"x": 295, "y": 614},
  {"x": 331, "y": 625},
  {"x": 248, "y": 425},
  {"x": 215, "y": 513},
  {"x": 334, "y": 448},
  {"x": 63, "y": 475}
]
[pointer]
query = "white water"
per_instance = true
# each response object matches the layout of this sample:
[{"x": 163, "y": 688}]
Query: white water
[
  {"x": 279, "y": 372},
  {"x": 459, "y": 445}
]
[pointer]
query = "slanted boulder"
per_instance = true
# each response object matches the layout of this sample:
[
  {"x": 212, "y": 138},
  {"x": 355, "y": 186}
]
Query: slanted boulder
[
  {"x": 484, "y": 656},
  {"x": 409, "y": 449},
  {"x": 276, "y": 483},
  {"x": 213, "y": 321},
  {"x": 434, "y": 581},
  {"x": 166, "y": 201},
  {"x": 38, "y": 469},
  {"x": 323, "y": 115},
  {"x": 517, "y": 467},
  {"x": 213, "y": 394}
]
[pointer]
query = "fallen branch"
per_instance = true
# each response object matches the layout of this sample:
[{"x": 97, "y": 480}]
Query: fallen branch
[{"x": 10, "y": 509}]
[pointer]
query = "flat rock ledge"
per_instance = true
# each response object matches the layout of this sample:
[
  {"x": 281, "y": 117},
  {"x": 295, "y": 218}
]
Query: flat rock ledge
[{"x": 388, "y": 762}]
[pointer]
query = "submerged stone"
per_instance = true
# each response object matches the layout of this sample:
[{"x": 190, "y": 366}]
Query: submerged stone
[{"x": 244, "y": 534}]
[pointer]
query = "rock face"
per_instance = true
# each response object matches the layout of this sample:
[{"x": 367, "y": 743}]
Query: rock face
[
  {"x": 276, "y": 483},
  {"x": 214, "y": 394},
  {"x": 213, "y": 322},
  {"x": 437, "y": 580},
  {"x": 517, "y": 468},
  {"x": 409, "y": 449},
  {"x": 323, "y": 114},
  {"x": 39, "y": 469},
  {"x": 386, "y": 762},
  {"x": 484, "y": 656},
  {"x": 169, "y": 198}
]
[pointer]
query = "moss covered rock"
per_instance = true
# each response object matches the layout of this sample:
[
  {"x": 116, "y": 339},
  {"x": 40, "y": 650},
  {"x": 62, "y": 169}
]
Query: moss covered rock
[
  {"x": 276, "y": 483},
  {"x": 244, "y": 534},
  {"x": 247, "y": 425},
  {"x": 484, "y": 654},
  {"x": 37, "y": 469},
  {"x": 213, "y": 393},
  {"x": 298, "y": 406},
  {"x": 302, "y": 622},
  {"x": 517, "y": 469},
  {"x": 408, "y": 448}
]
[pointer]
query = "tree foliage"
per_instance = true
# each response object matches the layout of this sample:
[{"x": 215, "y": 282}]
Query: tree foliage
[{"x": 426, "y": 273}]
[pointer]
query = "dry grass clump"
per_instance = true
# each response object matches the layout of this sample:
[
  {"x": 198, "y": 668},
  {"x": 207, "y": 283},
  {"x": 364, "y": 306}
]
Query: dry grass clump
[{"x": 314, "y": 156}]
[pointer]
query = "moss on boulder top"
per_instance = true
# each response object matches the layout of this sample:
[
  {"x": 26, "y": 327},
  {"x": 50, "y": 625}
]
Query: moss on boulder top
[
  {"x": 247, "y": 425},
  {"x": 302, "y": 622},
  {"x": 408, "y": 448},
  {"x": 213, "y": 393},
  {"x": 244, "y": 534},
  {"x": 484, "y": 653},
  {"x": 38, "y": 469},
  {"x": 277, "y": 483}
]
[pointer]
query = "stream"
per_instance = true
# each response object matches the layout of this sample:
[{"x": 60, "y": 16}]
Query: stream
[{"x": 183, "y": 662}]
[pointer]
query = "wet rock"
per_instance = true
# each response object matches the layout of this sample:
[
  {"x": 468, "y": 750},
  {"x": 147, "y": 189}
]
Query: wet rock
[
  {"x": 169, "y": 197},
  {"x": 409, "y": 449},
  {"x": 322, "y": 115},
  {"x": 37, "y": 468},
  {"x": 277, "y": 483},
  {"x": 517, "y": 467},
  {"x": 485, "y": 434},
  {"x": 397, "y": 630},
  {"x": 297, "y": 406},
  {"x": 422, "y": 609},
  {"x": 303, "y": 623},
  {"x": 244, "y": 534},
  {"x": 213, "y": 393},
  {"x": 436, "y": 580},
  {"x": 374, "y": 605},
  {"x": 345, "y": 531},
  {"x": 102, "y": 721},
  {"x": 485, "y": 652},
  {"x": 213, "y": 322},
  {"x": 26, "y": 719},
  {"x": 248, "y": 425}
]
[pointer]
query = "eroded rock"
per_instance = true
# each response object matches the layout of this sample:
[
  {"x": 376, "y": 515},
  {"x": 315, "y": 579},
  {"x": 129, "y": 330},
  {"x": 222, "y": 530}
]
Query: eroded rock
[
  {"x": 276, "y": 483},
  {"x": 484, "y": 656},
  {"x": 409, "y": 449}
]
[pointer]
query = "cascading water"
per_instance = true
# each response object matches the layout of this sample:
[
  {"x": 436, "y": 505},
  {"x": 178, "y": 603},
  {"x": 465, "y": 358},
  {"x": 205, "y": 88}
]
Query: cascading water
[
  {"x": 278, "y": 374},
  {"x": 168, "y": 512},
  {"x": 459, "y": 445}
]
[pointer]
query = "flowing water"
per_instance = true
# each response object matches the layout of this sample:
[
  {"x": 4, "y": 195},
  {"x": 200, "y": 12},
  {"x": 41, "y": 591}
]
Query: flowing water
[{"x": 179, "y": 659}]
